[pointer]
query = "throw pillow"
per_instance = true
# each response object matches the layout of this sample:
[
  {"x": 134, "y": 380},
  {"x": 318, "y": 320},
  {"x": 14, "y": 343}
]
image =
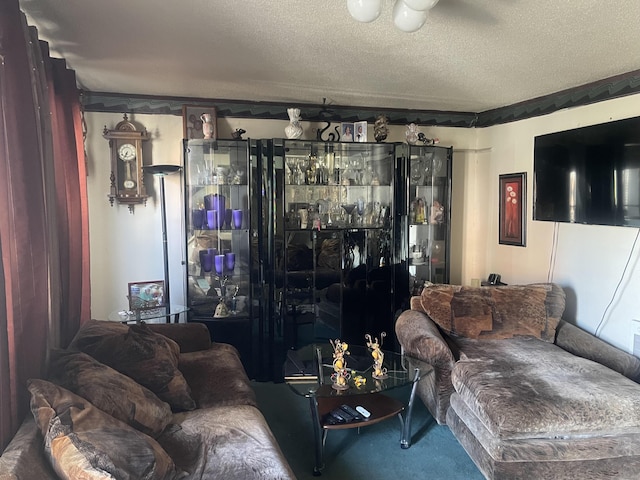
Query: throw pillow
[
  {"x": 110, "y": 391},
  {"x": 495, "y": 312},
  {"x": 147, "y": 357},
  {"x": 82, "y": 441}
]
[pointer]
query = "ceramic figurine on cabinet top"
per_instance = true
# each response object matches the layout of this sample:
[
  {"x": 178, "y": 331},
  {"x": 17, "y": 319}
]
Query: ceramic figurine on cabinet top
[
  {"x": 411, "y": 134},
  {"x": 427, "y": 141},
  {"x": 380, "y": 128},
  {"x": 207, "y": 125},
  {"x": 294, "y": 129}
]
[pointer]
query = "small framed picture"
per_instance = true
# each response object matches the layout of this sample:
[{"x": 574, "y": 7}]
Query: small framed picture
[
  {"x": 146, "y": 295},
  {"x": 512, "y": 222},
  {"x": 346, "y": 132},
  {"x": 360, "y": 132},
  {"x": 193, "y": 118}
]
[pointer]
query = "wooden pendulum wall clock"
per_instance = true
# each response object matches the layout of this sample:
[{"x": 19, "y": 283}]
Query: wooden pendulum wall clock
[{"x": 125, "y": 142}]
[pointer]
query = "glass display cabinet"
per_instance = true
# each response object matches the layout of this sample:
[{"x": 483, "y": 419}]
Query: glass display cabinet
[
  {"x": 223, "y": 287},
  {"x": 333, "y": 243},
  {"x": 428, "y": 215}
]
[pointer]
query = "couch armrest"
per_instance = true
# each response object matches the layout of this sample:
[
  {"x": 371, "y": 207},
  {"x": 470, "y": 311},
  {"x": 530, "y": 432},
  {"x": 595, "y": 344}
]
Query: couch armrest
[
  {"x": 582, "y": 344},
  {"x": 24, "y": 456},
  {"x": 420, "y": 338},
  {"x": 190, "y": 337}
]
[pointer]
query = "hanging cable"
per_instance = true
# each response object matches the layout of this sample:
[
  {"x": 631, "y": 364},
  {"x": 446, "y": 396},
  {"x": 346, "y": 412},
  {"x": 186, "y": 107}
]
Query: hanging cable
[
  {"x": 604, "y": 315},
  {"x": 554, "y": 250}
]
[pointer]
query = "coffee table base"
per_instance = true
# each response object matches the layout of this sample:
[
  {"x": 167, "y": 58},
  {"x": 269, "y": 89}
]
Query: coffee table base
[{"x": 379, "y": 405}]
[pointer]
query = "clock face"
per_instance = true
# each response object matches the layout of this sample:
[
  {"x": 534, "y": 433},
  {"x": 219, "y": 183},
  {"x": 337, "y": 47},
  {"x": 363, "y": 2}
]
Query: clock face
[{"x": 127, "y": 152}]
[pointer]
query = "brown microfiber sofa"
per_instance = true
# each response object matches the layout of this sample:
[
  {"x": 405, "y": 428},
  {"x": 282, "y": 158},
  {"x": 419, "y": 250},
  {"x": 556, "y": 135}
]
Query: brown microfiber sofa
[
  {"x": 144, "y": 402},
  {"x": 528, "y": 396}
]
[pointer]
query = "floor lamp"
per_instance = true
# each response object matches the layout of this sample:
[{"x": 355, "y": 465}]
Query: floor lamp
[{"x": 162, "y": 171}]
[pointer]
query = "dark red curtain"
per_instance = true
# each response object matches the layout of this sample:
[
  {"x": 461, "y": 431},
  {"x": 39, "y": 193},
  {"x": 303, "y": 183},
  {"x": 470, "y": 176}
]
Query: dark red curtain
[{"x": 44, "y": 281}]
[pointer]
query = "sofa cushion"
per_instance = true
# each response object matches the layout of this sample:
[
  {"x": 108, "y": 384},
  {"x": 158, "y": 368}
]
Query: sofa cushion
[
  {"x": 224, "y": 360},
  {"x": 109, "y": 390},
  {"x": 84, "y": 442},
  {"x": 147, "y": 357},
  {"x": 524, "y": 387},
  {"x": 495, "y": 312},
  {"x": 226, "y": 442}
]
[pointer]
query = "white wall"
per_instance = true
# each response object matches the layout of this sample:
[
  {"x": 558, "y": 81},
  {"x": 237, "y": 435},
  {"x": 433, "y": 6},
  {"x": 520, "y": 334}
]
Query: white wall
[{"x": 587, "y": 261}]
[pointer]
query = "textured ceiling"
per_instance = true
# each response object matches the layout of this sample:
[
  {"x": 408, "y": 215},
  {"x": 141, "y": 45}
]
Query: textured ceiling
[{"x": 471, "y": 55}]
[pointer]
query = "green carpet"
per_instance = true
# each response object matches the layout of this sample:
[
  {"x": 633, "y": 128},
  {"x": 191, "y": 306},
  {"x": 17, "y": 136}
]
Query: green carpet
[{"x": 374, "y": 453}]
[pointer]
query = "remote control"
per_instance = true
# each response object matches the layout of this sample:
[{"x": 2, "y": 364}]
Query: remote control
[
  {"x": 363, "y": 411},
  {"x": 352, "y": 411},
  {"x": 340, "y": 416},
  {"x": 341, "y": 413}
]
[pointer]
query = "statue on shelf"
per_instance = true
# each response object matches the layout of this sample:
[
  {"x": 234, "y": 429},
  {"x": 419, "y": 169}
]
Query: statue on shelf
[
  {"x": 294, "y": 129},
  {"x": 381, "y": 128},
  {"x": 379, "y": 371},
  {"x": 340, "y": 374}
]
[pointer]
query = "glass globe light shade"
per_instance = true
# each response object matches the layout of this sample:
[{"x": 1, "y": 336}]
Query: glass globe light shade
[
  {"x": 364, "y": 10},
  {"x": 420, "y": 5},
  {"x": 407, "y": 19}
]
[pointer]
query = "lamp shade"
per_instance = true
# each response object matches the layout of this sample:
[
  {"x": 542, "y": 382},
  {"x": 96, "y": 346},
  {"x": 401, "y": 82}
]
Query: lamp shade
[
  {"x": 161, "y": 169},
  {"x": 364, "y": 10},
  {"x": 420, "y": 5},
  {"x": 407, "y": 19}
]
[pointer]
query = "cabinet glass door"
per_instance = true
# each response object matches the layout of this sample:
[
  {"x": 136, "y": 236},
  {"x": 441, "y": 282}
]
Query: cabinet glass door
[
  {"x": 221, "y": 263},
  {"x": 335, "y": 276},
  {"x": 429, "y": 215}
]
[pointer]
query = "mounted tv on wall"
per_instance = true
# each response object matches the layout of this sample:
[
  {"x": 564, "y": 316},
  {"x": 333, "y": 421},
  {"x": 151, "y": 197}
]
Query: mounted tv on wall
[{"x": 589, "y": 175}]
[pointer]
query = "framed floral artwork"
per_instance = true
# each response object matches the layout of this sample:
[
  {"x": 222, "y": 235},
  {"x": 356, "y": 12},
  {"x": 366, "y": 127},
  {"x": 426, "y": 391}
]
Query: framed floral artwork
[{"x": 512, "y": 220}]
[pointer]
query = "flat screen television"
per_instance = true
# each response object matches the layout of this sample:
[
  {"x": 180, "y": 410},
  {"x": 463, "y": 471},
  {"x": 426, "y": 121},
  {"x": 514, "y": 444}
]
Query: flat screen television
[{"x": 589, "y": 175}]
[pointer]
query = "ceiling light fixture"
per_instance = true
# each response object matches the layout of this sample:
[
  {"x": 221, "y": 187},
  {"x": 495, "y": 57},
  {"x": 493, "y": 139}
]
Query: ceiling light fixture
[
  {"x": 364, "y": 11},
  {"x": 408, "y": 15}
]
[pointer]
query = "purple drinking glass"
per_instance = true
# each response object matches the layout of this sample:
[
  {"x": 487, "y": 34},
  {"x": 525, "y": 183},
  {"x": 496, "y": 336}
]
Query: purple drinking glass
[
  {"x": 206, "y": 260},
  {"x": 230, "y": 261},
  {"x": 218, "y": 205},
  {"x": 227, "y": 218},
  {"x": 237, "y": 219},
  {"x": 212, "y": 219},
  {"x": 219, "y": 264},
  {"x": 197, "y": 218}
]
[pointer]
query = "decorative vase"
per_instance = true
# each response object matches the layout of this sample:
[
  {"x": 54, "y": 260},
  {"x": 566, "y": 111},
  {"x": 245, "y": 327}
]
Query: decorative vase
[
  {"x": 207, "y": 125},
  {"x": 294, "y": 129},
  {"x": 411, "y": 134},
  {"x": 381, "y": 128}
]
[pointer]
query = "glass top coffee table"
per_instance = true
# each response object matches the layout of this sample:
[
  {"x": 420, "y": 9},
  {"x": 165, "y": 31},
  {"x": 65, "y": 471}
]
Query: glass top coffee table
[
  {"x": 308, "y": 373},
  {"x": 135, "y": 316}
]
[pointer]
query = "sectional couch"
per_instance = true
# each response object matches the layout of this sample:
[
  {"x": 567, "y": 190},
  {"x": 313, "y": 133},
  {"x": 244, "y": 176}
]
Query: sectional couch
[
  {"x": 528, "y": 395},
  {"x": 144, "y": 402}
]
